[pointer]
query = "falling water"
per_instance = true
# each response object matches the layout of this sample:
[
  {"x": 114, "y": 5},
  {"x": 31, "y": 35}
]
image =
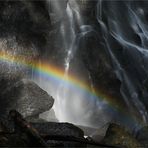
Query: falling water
[
  {"x": 62, "y": 91},
  {"x": 70, "y": 51},
  {"x": 99, "y": 9},
  {"x": 70, "y": 99},
  {"x": 67, "y": 95},
  {"x": 71, "y": 44},
  {"x": 111, "y": 21},
  {"x": 122, "y": 32}
]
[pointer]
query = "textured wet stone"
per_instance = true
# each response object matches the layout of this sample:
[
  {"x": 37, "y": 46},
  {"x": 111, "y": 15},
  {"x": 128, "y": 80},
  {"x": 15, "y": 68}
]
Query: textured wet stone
[
  {"x": 116, "y": 135},
  {"x": 60, "y": 129},
  {"x": 53, "y": 128},
  {"x": 26, "y": 97},
  {"x": 142, "y": 136}
]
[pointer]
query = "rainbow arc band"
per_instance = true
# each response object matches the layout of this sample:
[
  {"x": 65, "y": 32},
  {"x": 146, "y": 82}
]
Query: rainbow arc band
[{"x": 52, "y": 71}]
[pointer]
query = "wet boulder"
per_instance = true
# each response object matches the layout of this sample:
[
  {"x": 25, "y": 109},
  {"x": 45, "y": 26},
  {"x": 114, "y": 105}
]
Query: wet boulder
[
  {"x": 142, "y": 136},
  {"x": 40, "y": 134},
  {"x": 117, "y": 135},
  {"x": 58, "y": 134},
  {"x": 26, "y": 97},
  {"x": 53, "y": 128}
]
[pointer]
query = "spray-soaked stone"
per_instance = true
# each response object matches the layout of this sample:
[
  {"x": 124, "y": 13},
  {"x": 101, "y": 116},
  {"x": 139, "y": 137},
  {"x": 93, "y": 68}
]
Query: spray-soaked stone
[
  {"x": 116, "y": 135},
  {"x": 26, "y": 97},
  {"x": 60, "y": 129},
  {"x": 142, "y": 136},
  {"x": 63, "y": 129}
]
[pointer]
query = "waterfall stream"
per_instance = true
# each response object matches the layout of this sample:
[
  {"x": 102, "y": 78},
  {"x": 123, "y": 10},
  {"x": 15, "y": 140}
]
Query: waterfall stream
[
  {"x": 73, "y": 104},
  {"x": 116, "y": 30},
  {"x": 91, "y": 56},
  {"x": 77, "y": 105},
  {"x": 62, "y": 91}
]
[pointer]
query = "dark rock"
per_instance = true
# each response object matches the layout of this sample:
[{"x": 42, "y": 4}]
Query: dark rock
[
  {"x": 142, "y": 136},
  {"x": 65, "y": 144},
  {"x": 25, "y": 19},
  {"x": 119, "y": 136},
  {"x": 53, "y": 128},
  {"x": 41, "y": 134},
  {"x": 3, "y": 128},
  {"x": 26, "y": 97},
  {"x": 13, "y": 140},
  {"x": 60, "y": 129}
]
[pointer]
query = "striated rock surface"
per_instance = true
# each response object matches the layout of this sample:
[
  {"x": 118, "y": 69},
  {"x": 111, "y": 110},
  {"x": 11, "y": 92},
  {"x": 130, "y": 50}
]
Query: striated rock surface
[{"x": 26, "y": 97}]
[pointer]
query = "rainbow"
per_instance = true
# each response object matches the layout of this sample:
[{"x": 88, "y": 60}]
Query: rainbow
[{"x": 52, "y": 71}]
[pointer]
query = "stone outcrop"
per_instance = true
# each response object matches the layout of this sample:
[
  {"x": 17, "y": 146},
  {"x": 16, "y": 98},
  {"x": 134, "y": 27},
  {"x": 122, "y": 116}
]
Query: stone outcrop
[
  {"x": 26, "y": 97},
  {"x": 40, "y": 134},
  {"x": 117, "y": 135},
  {"x": 53, "y": 128},
  {"x": 142, "y": 136},
  {"x": 60, "y": 129}
]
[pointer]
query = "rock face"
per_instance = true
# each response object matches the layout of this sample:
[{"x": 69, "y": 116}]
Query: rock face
[
  {"x": 60, "y": 129},
  {"x": 142, "y": 136},
  {"x": 53, "y": 128},
  {"x": 26, "y": 97},
  {"x": 40, "y": 134},
  {"x": 24, "y": 19},
  {"x": 118, "y": 136}
]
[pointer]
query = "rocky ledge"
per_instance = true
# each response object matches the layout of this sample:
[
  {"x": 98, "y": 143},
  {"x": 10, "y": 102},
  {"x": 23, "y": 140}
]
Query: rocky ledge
[
  {"x": 22, "y": 126},
  {"x": 24, "y": 96}
]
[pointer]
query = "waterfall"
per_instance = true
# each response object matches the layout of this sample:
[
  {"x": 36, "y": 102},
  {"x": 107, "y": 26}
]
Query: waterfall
[
  {"x": 73, "y": 104},
  {"x": 66, "y": 94},
  {"x": 70, "y": 50},
  {"x": 99, "y": 9},
  {"x": 124, "y": 43},
  {"x": 69, "y": 40}
]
